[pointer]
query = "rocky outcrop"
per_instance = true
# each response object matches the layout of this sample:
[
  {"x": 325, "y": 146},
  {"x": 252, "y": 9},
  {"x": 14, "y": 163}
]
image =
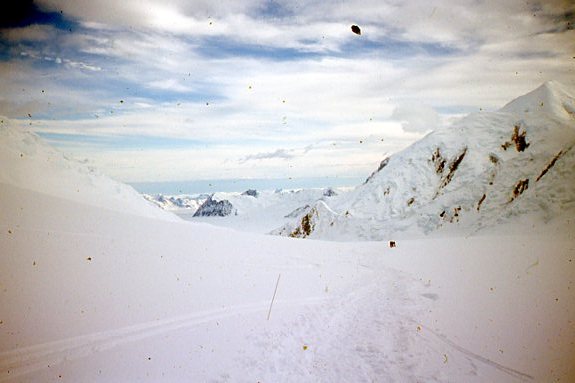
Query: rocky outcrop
[
  {"x": 213, "y": 208},
  {"x": 329, "y": 192},
  {"x": 382, "y": 165},
  {"x": 251, "y": 193}
]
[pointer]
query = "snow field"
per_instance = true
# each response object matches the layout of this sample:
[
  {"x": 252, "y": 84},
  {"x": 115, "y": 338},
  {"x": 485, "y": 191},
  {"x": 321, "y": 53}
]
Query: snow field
[{"x": 194, "y": 299}]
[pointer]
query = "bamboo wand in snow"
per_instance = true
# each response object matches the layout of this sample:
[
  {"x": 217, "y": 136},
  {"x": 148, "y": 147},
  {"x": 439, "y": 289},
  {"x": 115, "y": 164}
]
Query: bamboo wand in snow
[{"x": 274, "y": 297}]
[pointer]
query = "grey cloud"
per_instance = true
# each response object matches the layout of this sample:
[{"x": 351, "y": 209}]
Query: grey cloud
[
  {"x": 279, "y": 153},
  {"x": 35, "y": 32}
]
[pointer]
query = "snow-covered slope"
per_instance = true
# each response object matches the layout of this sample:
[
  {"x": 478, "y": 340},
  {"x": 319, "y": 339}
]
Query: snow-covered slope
[
  {"x": 487, "y": 169},
  {"x": 29, "y": 163},
  {"x": 93, "y": 295}
]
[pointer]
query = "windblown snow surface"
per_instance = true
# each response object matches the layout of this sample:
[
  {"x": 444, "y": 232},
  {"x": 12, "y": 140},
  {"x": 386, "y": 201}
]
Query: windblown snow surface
[{"x": 89, "y": 294}]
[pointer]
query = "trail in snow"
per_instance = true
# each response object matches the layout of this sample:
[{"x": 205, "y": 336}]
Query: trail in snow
[
  {"x": 22, "y": 361},
  {"x": 370, "y": 335},
  {"x": 482, "y": 359}
]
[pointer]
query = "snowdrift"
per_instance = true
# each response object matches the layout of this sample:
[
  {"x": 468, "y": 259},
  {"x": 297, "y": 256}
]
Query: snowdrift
[{"x": 487, "y": 169}]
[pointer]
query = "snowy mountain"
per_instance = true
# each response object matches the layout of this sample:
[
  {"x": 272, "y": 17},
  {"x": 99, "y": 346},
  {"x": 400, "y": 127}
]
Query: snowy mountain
[
  {"x": 174, "y": 203},
  {"x": 29, "y": 163},
  {"x": 487, "y": 169},
  {"x": 214, "y": 208},
  {"x": 253, "y": 211}
]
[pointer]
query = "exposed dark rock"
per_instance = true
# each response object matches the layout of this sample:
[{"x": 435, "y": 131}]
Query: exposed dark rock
[
  {"x": 451, "y": 217},
  {"x": 549, "y": 165},
  {"x": 518, "y": 139},
  {"x": 251, "y": 193},
  {"x": 213, "y": 208},
  {"x": 456, "y": 213},
  {"x": 306, "y": 225},
  {"x": 481, "y": 201},
  {"x": 454, "y": 164},
  {"x": 438, "y": 160},
  {"x": 382, "y": 165},
  {"x": 519, "y": 188},
  {"x": 446, "y": 170},
  {"x": 329, "y": 192}
]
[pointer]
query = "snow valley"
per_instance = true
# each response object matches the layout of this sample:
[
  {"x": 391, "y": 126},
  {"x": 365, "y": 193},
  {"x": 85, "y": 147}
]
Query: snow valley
[{"x": 98, "y": 284}]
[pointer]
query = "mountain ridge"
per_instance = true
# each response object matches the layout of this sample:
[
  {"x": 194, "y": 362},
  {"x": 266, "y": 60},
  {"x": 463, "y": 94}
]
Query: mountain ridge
[{"x": 483, "y": 170}]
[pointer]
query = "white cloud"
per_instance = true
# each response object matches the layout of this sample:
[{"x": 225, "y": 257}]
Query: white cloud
[
  {"x": 170, "y": 84},
  {"x": 346, "y": 96},
  {"x": 416, "y": 118}
]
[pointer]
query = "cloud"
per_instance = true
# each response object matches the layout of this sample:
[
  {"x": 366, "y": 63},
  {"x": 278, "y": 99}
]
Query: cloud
[
  {"x": 311, "y": 26},
  {"x": 416, "y": 118},
  {"x": 254, "y": 74},
  {"x": 35, "y": 32},
  {"x": 279, "y": 153}
]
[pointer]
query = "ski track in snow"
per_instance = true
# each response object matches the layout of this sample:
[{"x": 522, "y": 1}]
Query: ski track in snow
[
  {"x": 367, "y": 335},
  {"x": 26, "y": 360},
  {"x": 370, "y": 335},
  {"x": 510, "y": 371}
]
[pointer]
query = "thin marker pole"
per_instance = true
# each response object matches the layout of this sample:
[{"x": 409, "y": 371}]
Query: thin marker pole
[{"x": 274, "y": 297}]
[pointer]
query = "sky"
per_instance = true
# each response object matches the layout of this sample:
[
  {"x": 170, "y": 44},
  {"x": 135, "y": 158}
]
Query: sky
[{"x": 177, "y": 90}]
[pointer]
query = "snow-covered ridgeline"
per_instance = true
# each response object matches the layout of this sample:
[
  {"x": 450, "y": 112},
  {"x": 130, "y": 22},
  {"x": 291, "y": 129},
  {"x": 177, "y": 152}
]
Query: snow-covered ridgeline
[
  {"x": 485, "y": 169},
  {"x": 29, "y": 163}
]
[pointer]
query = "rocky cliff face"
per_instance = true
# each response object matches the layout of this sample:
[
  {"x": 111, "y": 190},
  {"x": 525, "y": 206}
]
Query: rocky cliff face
[
  {"x": 213, "y": 208},
  {"x": 486, "y": 169}
]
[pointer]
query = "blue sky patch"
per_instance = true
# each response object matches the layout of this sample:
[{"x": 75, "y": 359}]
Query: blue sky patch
[
  {"x": 122, "y": 142},
  {"x": 221, "y": 47}
]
